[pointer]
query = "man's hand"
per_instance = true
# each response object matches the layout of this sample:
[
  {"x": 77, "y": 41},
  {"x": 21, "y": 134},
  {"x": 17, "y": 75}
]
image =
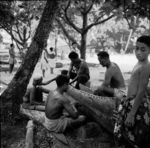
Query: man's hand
[
  {"x": 115, "y": 116},
  {"x": 82, "y": 118},
  {"x": 129, "y": 120}
]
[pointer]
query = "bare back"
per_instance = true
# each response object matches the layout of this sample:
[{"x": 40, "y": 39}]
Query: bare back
[
  {"x": 54, "y": 105},
  {"x": 140, "y": 76},
  {"x": 114, "y": 77}
]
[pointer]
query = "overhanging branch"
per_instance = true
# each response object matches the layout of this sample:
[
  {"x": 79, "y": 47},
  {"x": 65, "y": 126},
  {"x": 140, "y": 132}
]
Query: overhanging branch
[
  {"x": 69, "y": 21},
  {"x": 98, "y": 22}
]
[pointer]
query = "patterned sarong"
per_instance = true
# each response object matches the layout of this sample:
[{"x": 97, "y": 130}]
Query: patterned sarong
[{"x": 139, "y": 134}]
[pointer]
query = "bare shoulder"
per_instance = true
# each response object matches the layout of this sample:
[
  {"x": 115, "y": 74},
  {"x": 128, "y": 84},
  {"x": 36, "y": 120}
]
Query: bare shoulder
[{"x": 145, "y": 70}]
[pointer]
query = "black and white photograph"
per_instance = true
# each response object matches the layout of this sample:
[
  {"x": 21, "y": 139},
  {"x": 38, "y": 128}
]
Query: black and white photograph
[{"x": 75, "y": 73}]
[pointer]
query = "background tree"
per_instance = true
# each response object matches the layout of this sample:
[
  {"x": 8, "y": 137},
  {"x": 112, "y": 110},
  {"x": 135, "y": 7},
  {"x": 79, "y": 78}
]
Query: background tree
[
  {"x": 25, "y": 14},
  {"x": 81, "y": 16},
  {"x": 18, "y": 85}
]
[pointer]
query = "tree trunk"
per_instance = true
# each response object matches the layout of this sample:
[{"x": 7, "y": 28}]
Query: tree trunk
[
  {"x": 83, "y": 37},
  {"x": 129, "y": 38},
  {"x": 83, "y": 46},
  {"x": 18, "y": 85}
]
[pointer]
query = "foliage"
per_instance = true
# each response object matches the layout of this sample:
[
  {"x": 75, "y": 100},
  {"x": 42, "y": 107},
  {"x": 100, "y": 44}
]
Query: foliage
[
  {"x": 6, "y": 14},
  {"x": 80, "y": 17}
]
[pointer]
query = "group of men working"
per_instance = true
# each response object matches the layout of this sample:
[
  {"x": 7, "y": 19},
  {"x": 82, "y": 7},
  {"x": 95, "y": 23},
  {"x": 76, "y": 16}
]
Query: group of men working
[{"x": 133, "y": 116}]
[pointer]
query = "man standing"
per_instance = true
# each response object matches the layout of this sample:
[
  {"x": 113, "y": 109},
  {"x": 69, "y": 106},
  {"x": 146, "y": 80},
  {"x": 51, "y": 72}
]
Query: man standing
[
  {"x": 51, "y": 59},
  {"x": 12, "y": 59},
  {"x": 113, "y": 84}
]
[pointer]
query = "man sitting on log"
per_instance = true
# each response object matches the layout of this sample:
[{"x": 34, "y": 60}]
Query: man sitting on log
[
  {"x": 60, "y": 113},
  {"x": 113, "y": 84},
  {"x": 34, "y": 94}
]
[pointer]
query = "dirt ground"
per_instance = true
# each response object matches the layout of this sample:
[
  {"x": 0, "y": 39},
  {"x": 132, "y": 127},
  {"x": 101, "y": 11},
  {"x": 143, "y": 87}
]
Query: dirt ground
[{"x": 13, "y": 136}]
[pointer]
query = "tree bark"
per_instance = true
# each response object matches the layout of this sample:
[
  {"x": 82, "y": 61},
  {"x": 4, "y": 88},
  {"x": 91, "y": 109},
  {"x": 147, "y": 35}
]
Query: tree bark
[
  {"x": 83, "y": 37},
  {"x": 83, "y": 46},
  {"x": 17, "y": 87}
]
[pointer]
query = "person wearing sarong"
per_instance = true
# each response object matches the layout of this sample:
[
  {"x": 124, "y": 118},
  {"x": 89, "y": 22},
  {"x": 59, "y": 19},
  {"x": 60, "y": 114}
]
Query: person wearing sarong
[
  {"x": 132, "y": 127},
  {"x": 60, "y": 113},
  {"x": 113, "y": 84}
]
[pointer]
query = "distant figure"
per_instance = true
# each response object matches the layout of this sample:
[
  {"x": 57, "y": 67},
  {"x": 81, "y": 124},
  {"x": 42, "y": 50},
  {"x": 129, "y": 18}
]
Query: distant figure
[
  {"x": 12, "y": 60},
  {"x": 74, "y": 46},
  {"x": 60, "y": 113},
  {"x": 44, "y": 62},
  {"x": 78, "y": 70},
  {"x": 34, "y": 94},
  {"x": 132, "y": 127},
  {"x": 113, "y": 84},
  {"x": 51, "y": 59}
]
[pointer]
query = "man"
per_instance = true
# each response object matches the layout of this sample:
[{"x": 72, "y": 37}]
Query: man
[
  {"x": 133, "y": 123},
  {"x": 51, "y": 59},
  {"x": 60, "y": 113},
  {"x": 34, "y": 95},
  {"x": 78, "y": 70},
  {"x": 74, "y": 46},
  {"x": 12, "y": 59},
  {"x": 113, "y": 84}
]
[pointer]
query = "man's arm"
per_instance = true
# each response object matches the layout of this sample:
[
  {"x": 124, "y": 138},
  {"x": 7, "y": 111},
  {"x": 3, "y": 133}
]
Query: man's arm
[
  {"x": 143, "y": 82},
  {"x": 47, "y": 82},
  {"x": 68, "y": 107},
  {"x": 106, "y": 83},
  {"x": 70, "y": 69},
  {"x": 108, "y": 77},
  {"x": 80, "y": 71},
  {"x": 45, "y": 90}
]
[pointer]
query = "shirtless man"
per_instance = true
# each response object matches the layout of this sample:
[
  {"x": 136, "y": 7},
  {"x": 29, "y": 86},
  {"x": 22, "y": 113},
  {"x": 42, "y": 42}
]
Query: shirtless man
[
  {"x": 34, "y": 95},
  {"x": 60, "y": 113},
  {"x": 114, "y": 81},
  {"x": 134, "y": 112},
  {"x": 78, "y": 70},
  {"x": 12, "y": 59}
]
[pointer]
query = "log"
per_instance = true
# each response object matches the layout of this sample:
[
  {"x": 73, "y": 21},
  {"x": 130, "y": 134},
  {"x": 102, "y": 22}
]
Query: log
[{"x": 101, "y": 108}]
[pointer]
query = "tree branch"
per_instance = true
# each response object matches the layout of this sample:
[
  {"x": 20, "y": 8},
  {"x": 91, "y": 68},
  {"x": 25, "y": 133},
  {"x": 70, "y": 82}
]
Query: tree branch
[
  {"x": 67, "y": 34},
  {"x": 89, "y": 7},
  {"x": 69, "y": 21},
  {"x": 98, "y": 22},
  {"x": 18, "y": 32}
]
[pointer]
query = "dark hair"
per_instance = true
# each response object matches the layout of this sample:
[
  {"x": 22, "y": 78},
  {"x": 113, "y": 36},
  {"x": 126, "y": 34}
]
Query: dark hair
[
  {"x": 103, "y": 54},
  {"x": 144, "y": 39},
  {"x": 73, "y": 55},
  {"x": 51, "y": 48},
  {"x": 61, "y": 80},
  {"x": 73, "y": 43}
]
